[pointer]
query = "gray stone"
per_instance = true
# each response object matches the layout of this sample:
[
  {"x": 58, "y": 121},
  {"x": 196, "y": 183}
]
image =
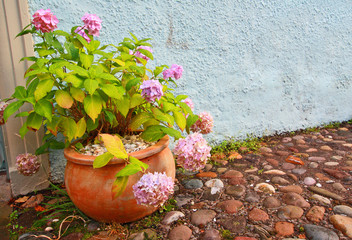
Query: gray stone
[
  {"x": 317, "y": 159},
  {"x": 343, "y": 209},
  {"x": 321, "y": 199},
  {"x": 325, "y": 193},
  {"x": 211, "y": 234},
  {"x": 252, "y": 197},
  {"x": 271, "y": 202},
  {"x": 290, "y": 212},
  {"x": 309, "y": 181},
  {"x": 93, "y": 226},
  {"x": 299, "y": 171},
  {"x": 33, "y": 236},
  {"x": 183, "y": 199},
  {"x": 339, "y": 187},
  {"x": 314, "y": 232},
  {"x": 202, "y": 217},
  {"x": 279, "y": 180},
  {"x": 295, "y": 199},
  {"x": 193, "y": 184},
  {"x": 236, "y": 191},
  {"x": 313, "y": 165},
  {"x": 181, "y": 232},
  {"x": 171, "y": 217}
]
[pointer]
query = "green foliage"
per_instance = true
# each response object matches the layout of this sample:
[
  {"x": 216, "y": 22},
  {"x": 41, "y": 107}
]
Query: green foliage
[
  {"x": 251, "y": 143},
  {"x": 226, "y": 234},
  {"x": 13, "y": 227}
]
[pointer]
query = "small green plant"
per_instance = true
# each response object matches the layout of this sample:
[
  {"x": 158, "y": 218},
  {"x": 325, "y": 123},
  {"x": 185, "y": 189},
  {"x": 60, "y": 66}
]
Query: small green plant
[
  {"x": 331, "y": 125},
  {"x": 226, "y": 234},
  {"x": 168, "y": 206},
  {"x": 260, "y": 171},
  {"x": 13, "y": 227},
  {"x": 251, "y": 143}
]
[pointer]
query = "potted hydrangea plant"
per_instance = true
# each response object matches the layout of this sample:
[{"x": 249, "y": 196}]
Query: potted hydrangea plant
[{"x": 95, "y": 96}]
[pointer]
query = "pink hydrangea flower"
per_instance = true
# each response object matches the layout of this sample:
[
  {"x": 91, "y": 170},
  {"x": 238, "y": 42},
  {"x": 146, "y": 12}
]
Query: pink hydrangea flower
[
  {"x": 153, "y": 189},
  {"x": 27, "y": 164},
  {"x": 192, "y": 152},
  {"x": 44, "y": 20},
  {"x": 3, "y": 105},
  {"x": 92, "y": 23},
  {"x": 140, "y": 55},
  {"x": 151, "y": 90},
  {"x": 174, "y": 71},
  {"x": 189, "y": 103},
  {"x": 178, "y": 70},
  {"x": 80, "y": 31},
  {"x": 167, "y": 73},
  {"x": 204, "y": 124}
]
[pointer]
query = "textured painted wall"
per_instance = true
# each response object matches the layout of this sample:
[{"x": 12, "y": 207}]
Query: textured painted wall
[{"x": 258, "y": 67}]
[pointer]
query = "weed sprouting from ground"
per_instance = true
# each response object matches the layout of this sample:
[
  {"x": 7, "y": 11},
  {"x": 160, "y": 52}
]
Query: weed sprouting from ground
[{"x": 250, "y": 144}]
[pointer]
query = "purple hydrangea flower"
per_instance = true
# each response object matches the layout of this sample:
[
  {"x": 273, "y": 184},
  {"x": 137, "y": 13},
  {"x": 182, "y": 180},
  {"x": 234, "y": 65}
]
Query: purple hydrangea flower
[
  {"x": 151, "y": 89},
  {"x": 92, "y": 23},
  {"x": 140, "y": 55},
  {"x": 204, "y": 124},
  {"x": 153, "y": 189},
  {"x": 3, "y": 105},
  {"x": 27, "y": 164},
  {"x": 44, "y": 20},
  {"x": 174, "y": 71},
  {"x": 189, "y": 103},
  {"x": 192, "y": 152}
]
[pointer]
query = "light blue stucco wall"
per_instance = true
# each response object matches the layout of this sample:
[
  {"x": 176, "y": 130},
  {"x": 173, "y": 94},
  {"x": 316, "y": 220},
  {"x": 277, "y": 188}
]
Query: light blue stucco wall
[{"x": 258, "y": 67}]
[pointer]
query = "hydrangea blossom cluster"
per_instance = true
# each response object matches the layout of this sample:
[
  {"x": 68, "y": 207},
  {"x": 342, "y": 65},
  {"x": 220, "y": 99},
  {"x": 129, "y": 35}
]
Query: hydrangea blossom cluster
[
  {"x": 92, "y": 23},
  {"x": 27, "y": 164},
  {"x": 3, "y": 105},
  {"x": 151, "y": 90},
  {"x": 189, "y": 103},
  {"x": 140, "y": 55},
  {"x": 174, "y": 71},
  {"x": 204, "y": 124},
  {"x": 192, "y": 152},
  {"x": 153, "y": 189},
  {"x": 44, "y": 20}
]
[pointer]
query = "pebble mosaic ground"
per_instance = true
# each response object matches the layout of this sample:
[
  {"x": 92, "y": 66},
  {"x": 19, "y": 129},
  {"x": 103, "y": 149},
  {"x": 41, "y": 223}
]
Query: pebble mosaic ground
[{"x": 296, "y": 186}]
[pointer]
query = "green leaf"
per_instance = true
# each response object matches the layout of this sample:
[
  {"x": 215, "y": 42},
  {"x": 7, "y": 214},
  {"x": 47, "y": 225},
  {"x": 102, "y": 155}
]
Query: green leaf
[
  {"x": 91, "y": 85},
  {"x": 32, "y": 87},
  {"x": 113, "y": 91},
  {"x": 76, "y": 69},
  {"x": 146, "y": 53},
  {"x": 114, "y": 145},
  {"x": 110, "y": 116},
  {"x": 138, "y": 120},
  {"x": 20, "y": 93},
  {"x": 76, "y": 81},
  {"x": 44, "y": 108},
  {"x": 57, "y": 45},
  {"x": 93, "y": 105},
  {"x": 23, "y": 130},
  {"x": 43, "y": 88},
  {"x": 22, "y": 114},
  {"x": 106, "y": 76},
  {"x": 91, "y": 125},
  {"x": 185, "y": 107},
  {"x": 45, "y": 52},
  {"x": 181, "y": 97},
  {"x": 63, "y": 99},
  {"x": 118, "y": 61},
  {"x": 134, "y": 160},
  {"x": 61, "y": 33},
  {"x": 77, "y": 94},
  {"x": 12, "y": 108},
  {"x": 136, "y": 100},
  {"x": 172, "y": 132},
  {"x": 191, "y": 119},
  {"x": 123, "y": 106},
  {"x": 86, "y": 60},
  {"x": 164, "y": 117},
  {"x": 180, "y": 119},
  {"x": 153, "y": 133},
  {"x": 69, "y": 127},
  {"x": 158, "y": 70},
  {"x": 53, "y": 125},
  {"x": 93, "y": 45},
  {"x": 102, "y": 160},
  {"x": 132, "y": 83},
  {"x": 81, "y": 128},
  {"x": 35, "y": 72},
  {"x": 119, "y": 186},
  {"x": 129, "y": 170},
  {"x": 34, "y": 121}
]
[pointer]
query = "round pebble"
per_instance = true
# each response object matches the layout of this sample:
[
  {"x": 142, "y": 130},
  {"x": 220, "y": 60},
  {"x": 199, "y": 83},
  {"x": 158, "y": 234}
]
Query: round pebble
[{"x": 309, "y": 181}]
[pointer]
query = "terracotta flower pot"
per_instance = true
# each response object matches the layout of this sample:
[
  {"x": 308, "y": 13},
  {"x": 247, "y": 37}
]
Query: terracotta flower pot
[{"x": 90, "y": 189}]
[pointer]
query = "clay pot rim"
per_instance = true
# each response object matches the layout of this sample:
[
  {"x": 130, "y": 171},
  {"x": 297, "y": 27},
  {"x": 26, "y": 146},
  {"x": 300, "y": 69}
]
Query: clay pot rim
[{"x": 73, "y": 156}]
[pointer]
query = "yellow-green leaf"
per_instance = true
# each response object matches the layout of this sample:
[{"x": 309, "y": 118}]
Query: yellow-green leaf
[
  {"x": 43, "y": 88},
  {"x": 102, "y": 160},
  {"x": 114, "y": 146},
  {"x": 113, "y": 91},
  {"x": 138, "y": 120},
  {"x": 69, "y": 128},
  {"x": 76, "y": 81},
  {"x": 123, "y": 106},
  {"x": 180, "y": 120},
  {"x": 34, "y": 121},
  {"x": 119, "y": 186},
  {"x": 136, "y": 100},
  {"x": 81, "y": 127},
  {"x": 86, "y": 60},
  {"x": 44, "y": 108},
  {"x": 118, "y": 61},
  {"x": 93, "y": 105},
  {"x": 90, "y": 85},
  {"x": 77, "y": 94},
  {"x": 63, "y": 99}
]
